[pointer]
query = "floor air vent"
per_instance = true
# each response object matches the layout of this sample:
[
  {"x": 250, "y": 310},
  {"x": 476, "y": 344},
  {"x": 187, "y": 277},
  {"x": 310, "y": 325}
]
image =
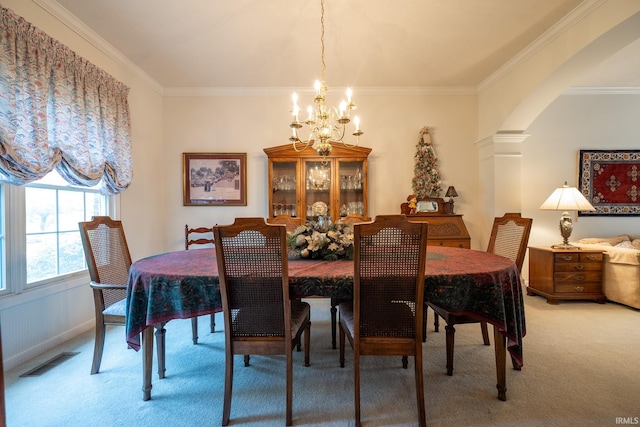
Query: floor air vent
[{"x": 49, "y": 364}]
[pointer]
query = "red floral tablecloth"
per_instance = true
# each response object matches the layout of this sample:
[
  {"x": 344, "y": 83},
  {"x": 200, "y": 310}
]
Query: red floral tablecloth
[{"x": 184, "y": 284}]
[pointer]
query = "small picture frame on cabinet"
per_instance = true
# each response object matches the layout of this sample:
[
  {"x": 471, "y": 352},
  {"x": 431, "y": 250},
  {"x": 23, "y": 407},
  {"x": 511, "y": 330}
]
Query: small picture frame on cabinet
[
  {"x": 214, "y": 179},
  {"x": 427, "y": 206}
]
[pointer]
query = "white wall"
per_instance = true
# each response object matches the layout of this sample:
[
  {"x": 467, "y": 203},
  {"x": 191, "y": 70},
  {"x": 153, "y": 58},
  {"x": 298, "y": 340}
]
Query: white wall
[
  {"x": 550, "y": 157},
  {"x": 251, "y": 123}
]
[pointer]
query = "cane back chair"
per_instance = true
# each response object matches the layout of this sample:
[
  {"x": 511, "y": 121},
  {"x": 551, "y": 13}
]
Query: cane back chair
[
  {"x": 509, "y": 238},
  {"x": 108, "y": 260},
  {"x": 259, "y": 317},
  {"x": 200, "y": 236},
  {"x": 385, "y": 316}
]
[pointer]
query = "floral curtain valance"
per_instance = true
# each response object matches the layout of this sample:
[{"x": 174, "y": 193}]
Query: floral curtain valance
[{"x": 59, "y": 111}]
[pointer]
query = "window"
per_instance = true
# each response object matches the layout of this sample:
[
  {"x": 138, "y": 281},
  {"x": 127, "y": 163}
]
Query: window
[{"x": 42, "y": 234}]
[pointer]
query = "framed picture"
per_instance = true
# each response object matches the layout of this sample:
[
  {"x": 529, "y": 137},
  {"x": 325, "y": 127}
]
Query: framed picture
[
  {"x": 427, "y": 206},
  {"x": 609, "y": 179},
  {"x": 430, "y": 205},
  {"x": 214, "y": 179}
]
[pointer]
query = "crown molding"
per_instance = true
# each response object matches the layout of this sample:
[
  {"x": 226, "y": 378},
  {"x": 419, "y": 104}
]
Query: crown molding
[
  {"x": 74, "y": 24},
  {"x": 286, "y": 91},
  {"x": 610, "y": 90},
  {"x": 560, "y": 27}
]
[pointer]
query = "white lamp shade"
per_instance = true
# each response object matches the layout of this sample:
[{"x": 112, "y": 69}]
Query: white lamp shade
[{"x": 567, "y": 198}]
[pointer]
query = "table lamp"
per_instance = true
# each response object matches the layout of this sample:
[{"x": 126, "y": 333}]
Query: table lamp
[
  {"x": 566, "y": 199},
  {"x": 451, "y": 193}
]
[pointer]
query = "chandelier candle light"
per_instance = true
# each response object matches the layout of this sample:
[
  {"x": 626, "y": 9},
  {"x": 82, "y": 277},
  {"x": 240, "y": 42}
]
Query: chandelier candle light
[
  {"x": 325, "y": 124},
  {"x": 566, "y": 199}
]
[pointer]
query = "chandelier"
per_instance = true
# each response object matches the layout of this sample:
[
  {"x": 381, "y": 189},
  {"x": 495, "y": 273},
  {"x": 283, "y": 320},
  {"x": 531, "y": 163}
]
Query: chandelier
[{"x": 325, "y": 124}]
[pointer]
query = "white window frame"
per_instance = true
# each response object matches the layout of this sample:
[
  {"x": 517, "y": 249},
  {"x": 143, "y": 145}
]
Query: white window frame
[{"x": 13, "y": 253}]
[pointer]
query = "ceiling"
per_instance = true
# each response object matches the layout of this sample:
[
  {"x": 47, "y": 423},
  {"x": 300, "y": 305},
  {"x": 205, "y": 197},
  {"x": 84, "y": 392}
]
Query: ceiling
[{"x": 368, "y": 43}]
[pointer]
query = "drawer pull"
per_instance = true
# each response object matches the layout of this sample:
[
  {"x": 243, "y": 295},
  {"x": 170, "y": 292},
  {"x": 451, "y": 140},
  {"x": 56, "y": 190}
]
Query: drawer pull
[
  {"x": 592, "y": 257},
  {"x": 579, "y": 277},
  {"x": 579, "y": 267},
  {"x": 579, "y": 288},
  {"x": 567, "y": 257}
]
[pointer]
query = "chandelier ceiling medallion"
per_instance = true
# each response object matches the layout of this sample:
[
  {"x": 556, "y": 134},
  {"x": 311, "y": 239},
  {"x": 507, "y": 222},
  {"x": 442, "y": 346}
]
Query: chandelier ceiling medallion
[{"x": 325, "y": 124}]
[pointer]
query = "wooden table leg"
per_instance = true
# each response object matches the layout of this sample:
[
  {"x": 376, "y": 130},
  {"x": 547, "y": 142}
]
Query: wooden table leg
[
  {"x": 147, "y": 361},
  {"x": 160, "y": 333},
  {"x": 500, "y": 348}
]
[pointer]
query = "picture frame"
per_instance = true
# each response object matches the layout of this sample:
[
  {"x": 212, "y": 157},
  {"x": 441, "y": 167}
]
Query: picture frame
[
  {"x": 426, "y": 206},
  {"x": 430, "y": 206},
  {"x": 214, "y": 179},
  {"x": 608, "y": 180}
]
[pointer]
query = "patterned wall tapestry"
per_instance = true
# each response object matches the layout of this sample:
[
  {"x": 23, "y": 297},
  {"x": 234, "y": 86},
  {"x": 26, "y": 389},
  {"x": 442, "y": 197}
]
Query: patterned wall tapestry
[{"x": 610, "y": 180}]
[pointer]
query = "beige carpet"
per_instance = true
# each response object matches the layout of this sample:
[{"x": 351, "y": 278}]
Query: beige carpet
[{"x": 581, "y": 369}]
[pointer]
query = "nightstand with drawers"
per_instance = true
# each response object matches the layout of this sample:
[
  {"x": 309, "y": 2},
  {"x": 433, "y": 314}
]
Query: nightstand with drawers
[{"x": 565, "y": 274}]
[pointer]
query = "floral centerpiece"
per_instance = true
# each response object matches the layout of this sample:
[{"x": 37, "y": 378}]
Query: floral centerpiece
[{"x": 318, "y": 241}]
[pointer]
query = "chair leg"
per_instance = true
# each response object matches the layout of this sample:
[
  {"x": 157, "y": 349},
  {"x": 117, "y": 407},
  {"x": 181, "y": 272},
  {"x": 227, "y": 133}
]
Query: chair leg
[
  {"x": 160, "y": 346},
  {"x": 424, "y": 323},
  {"x": 420, "y": 388},
  {"x": 334, "y": 327},
  {"x": 436, "y": 322},
  {"x": 356, "y": 385},
  {"x": 289, "y": 388},
  {"x": 194, "y": 329},
  {"x": 307, "y": 343},
  {"x": 213, "y": 322},
  {"x": 451, "y": 331},
  {"x": 485, "y": 333},
  {"x": 405, "y": 362},
  {"x": 228, "y": 387},
  {"x": 98, "y": 347},
  {"x": 342, "y": 339},
  {"x": 246, "y": 360}
]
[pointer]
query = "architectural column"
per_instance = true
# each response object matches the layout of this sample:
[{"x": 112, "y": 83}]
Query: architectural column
[{"x": 500, "y": 174}]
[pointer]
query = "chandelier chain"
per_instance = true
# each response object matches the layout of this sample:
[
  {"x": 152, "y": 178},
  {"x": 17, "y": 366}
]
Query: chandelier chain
[
  {"x": 324, "y": 66},
  {"x": 325, "y": 124}
]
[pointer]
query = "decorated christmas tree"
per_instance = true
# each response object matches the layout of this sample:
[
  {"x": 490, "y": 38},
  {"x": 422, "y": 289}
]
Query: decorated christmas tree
[{"x": 426, "y": 182}]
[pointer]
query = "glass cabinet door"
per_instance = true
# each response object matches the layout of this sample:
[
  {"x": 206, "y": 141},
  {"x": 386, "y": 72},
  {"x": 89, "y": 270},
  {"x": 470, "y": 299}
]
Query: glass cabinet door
[
  {"x": 352, "y": 188},
  {"x": 317, "y": 177},
  {"x": 284, "y": 200}
]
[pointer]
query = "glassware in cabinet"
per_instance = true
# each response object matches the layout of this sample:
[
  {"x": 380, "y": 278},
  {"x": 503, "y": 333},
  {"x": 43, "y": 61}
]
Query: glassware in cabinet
[
  {"x": 284, "y": 188},
  {"x": 318, "y": 179},
  {"x": 351, "y": 199}
]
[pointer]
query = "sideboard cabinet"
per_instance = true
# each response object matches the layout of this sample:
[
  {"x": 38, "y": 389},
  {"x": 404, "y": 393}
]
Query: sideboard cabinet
[
  {"x": 445, "y": 230},
  {"x": 303, "y": 185}
]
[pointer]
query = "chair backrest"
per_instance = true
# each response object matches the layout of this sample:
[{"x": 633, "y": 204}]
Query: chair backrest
[
  {"x": 254, "y": 280},
  {"x": 105, "y": 249},
  {"x": 353, "y": 219},
  {"x": 390, "y": 255},
  {"x": 290, "y": 223},
  {"x": 510, "y": 236},
  {"x": 203, "y": 236}
]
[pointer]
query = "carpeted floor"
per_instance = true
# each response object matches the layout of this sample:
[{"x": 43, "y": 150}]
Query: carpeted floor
[{"x": 581, "y": 369}]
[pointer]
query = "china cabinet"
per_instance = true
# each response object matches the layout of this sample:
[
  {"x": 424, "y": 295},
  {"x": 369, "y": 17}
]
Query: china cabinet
[{"x": 303, "y": 185}]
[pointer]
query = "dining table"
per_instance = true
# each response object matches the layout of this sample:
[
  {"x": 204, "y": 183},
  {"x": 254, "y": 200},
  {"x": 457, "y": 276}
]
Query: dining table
[{"x": 184, "y": 284}]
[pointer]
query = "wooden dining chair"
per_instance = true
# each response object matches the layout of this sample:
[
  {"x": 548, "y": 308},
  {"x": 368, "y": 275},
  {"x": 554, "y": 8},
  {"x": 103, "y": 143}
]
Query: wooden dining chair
[
  {"x": 108, "y": 260},
  {"x": 351, "y": 220},
  {"x": 290, "y": 223},
  {"x": 199, "y": 236},
  {"x": 385, "y": 316},
  {"x": 509, "y": 238},
  {"x": 259, "y": 317}
]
